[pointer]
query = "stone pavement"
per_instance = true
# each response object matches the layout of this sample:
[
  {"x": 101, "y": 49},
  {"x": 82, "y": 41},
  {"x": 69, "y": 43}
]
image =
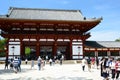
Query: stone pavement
[{"x": 56, "y": 72}]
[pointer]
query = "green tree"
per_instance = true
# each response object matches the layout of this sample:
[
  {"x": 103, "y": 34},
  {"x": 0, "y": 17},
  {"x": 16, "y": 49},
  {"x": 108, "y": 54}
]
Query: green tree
[
  {"x": 2, "y": 47},
  {"x": 118, "y": 40},
  {"x": 27, "y": 51}
]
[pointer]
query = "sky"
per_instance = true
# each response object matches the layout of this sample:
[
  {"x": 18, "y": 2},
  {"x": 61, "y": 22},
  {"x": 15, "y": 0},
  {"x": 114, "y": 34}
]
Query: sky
[{"x": 109, "y": 10}]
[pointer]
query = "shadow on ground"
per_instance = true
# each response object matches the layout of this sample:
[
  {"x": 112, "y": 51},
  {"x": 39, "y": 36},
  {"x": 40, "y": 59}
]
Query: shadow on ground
[{"x": 4, "y": 71}]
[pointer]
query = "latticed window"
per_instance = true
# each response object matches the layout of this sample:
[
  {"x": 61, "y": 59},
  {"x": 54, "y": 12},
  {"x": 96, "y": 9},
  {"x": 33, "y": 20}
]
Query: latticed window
[
  {"x": 102, "y": 53},
  {"x": 115, "y": 53},
  {"x": 90, "y": 54}
]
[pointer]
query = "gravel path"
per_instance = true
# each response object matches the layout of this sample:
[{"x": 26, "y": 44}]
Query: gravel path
[{"x": 56, "y": 72}]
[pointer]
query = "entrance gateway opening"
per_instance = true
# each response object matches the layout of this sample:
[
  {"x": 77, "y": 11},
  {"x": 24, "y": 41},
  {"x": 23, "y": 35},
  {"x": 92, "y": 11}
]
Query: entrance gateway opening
[{"x": 46, "y": 52}]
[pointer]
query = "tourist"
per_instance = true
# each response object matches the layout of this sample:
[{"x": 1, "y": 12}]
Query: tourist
[
  {"x": 50, "y": 61},
  {"x": 112, "y": 67},
  {"x": 15, "y": 62},
  {"x": 32, "y": 64},
  {"x": 83, "y": 64},
  {"x": 102, "y": 65},
  {"x": 89, "y": 64},
  {"x": 6, "y": 63},
  {"x": 46, "y": 58},
  {"x": 54, "y": 59},
  {"x": 19, "y": 64},
  {"x": 26, "y": 61},
  {"x": 11, "y": 64},
  {"x": 39, "y": 63},
  {"x": 117, "y": 65},
  {"x": 97, "y": 62},
  {"x": 93, "y": 62},
  {"x": 42, "y": 63},
  {"x": 106, "y": 66},
  {"x": 60, "y": 61}
]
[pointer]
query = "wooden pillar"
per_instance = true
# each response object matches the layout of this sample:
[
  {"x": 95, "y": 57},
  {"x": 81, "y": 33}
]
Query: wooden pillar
[
  {"x": 83, "y": 48},
  {"x": 67, "y": 53},
  {"x": 21, "y": 49},
  {"x": 96, "y": 53},
  {"x": 54, "y": 48},
  {"x": 7, "y": 48},
  {"x": 70, "y": 49},
  {"x": 37, "y": 48},
  {"x": 108, "y": 53}
]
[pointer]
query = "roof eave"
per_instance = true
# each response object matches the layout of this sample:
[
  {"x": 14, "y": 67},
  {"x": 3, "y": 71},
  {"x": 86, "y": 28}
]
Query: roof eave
[{"x": 47, "y": 20}]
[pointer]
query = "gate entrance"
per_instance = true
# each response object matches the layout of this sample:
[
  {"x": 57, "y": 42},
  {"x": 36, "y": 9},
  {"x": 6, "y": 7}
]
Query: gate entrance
[{"x": 46, "y": 52}]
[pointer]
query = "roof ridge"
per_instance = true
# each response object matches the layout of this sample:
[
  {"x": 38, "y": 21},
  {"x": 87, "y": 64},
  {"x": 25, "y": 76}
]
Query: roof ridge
[
  {"x": 45, "y": 9},
  {"x": 10, "y": 11}
]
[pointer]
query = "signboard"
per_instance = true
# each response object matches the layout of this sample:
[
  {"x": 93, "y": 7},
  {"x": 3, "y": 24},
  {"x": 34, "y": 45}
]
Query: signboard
[
  {"x": 14, "y": 49},
  {"x": 77, "y": 50}
]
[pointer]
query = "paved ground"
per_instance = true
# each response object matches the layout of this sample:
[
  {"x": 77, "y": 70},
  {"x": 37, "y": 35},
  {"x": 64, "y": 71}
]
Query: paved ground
[{"x": 56, "y": 72}]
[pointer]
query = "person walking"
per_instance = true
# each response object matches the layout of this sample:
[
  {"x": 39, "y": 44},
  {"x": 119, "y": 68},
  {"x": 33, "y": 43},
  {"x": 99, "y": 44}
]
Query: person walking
[
  {"x": 89, "y": 64},
  {"x": 32, "y": 64},
  {"x": 106, "y": 66},
  {"x": 11, "y": 64},
  {"x": 93, "y": 62},
  {"x": 42, "y": 63},
  {"x": 19, "y": 64},
  {"x": 26, "y": 61},
  {"x": 50, "y": 61},
  {"x": 60, "y": 61},
  {"x": 117, "y": 66},
  {"x": 97, "y": 62},
  {"x": 112, "y": 67},
  {"x": 83, "y": 64},
  {"x": 39, "y": 63},
  {"x": 6, "y": 63},
  {"x": 15, "y": 62},
  {"x": 102, "y": 65}
]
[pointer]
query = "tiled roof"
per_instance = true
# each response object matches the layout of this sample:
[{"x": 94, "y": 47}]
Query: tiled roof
[
  {"x": 46, "y": 14},
  {"x": 102, "y": 44}
]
